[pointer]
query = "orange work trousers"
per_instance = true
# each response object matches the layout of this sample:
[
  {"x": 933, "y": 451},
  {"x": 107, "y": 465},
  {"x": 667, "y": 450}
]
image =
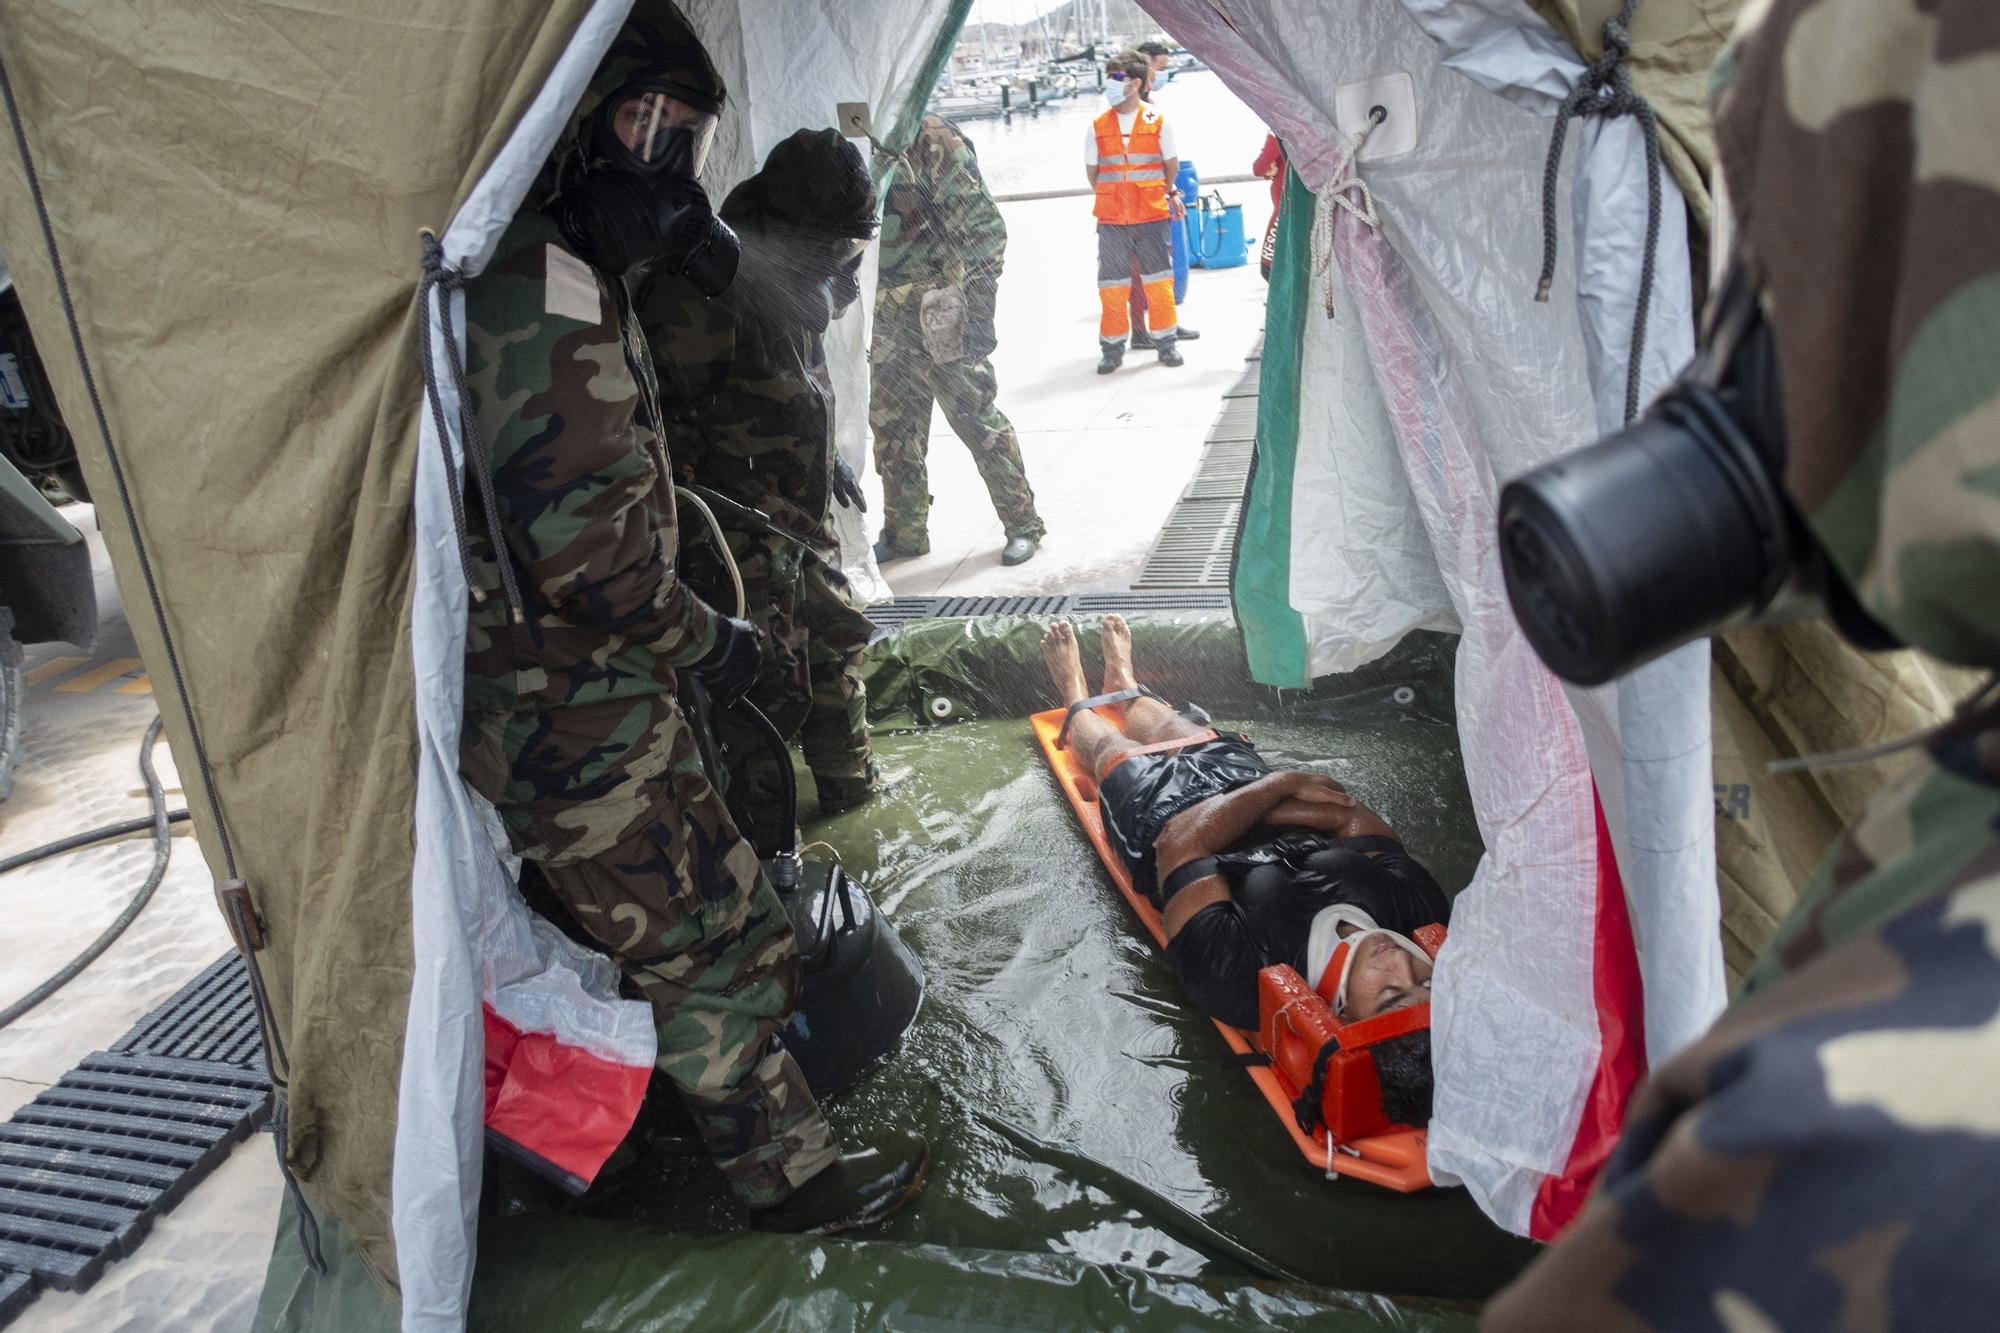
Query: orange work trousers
[{"x": 1122, "y": 248}]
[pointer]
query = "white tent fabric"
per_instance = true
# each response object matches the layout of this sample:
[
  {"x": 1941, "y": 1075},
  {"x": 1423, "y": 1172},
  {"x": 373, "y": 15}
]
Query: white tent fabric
[
  {"x": 794, "y": 68},
  {"x": 474, "y": 941},
  {"x": 1434, "y": 379}
]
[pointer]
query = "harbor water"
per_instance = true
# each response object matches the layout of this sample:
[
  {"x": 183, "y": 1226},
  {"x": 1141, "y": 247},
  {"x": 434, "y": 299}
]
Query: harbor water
[{"x": 1042, "y": 149}]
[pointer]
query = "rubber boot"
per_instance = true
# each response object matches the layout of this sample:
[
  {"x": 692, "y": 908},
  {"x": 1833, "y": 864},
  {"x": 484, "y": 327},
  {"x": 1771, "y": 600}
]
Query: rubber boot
[
  {"x": 858, "y": 1190},
  {"x": 887, "y": 548},
  {"x": 1018, "y": 550},
  {"x": 1143, "y": 340},
  {"x": 1114, "y": 357},
  {"x": 841, "y": 793}
]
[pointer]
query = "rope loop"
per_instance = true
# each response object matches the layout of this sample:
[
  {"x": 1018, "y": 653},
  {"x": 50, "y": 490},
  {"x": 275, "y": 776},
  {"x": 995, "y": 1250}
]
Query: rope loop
[
  {"x": 1606, "y": 90},
  {"x": 440, "y": 280},
  {"x": 1336, "y": 197}
]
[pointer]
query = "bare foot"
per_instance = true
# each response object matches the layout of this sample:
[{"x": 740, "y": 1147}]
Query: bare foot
[
  {"x": 1065, "y": 666},
  {"x": 1116, "y": 640}
]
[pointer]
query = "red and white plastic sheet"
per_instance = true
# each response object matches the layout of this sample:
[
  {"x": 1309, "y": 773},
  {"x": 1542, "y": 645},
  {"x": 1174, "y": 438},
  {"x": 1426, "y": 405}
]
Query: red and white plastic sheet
[{"x": 1589, "y": 937}]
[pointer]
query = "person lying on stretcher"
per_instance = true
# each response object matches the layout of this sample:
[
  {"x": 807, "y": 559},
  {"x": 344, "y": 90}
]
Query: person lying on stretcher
[{"x": 1251, "y": 866}]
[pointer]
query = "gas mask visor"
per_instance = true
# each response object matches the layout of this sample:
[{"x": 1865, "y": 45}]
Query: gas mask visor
[
  {"x": 656, "y": 128},
  {"x": 637, "y": 202}
]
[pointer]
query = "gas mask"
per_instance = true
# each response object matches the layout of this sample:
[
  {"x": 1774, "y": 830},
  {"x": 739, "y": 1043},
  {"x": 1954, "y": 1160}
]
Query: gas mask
[
  {"x": 633, "y": 199},
  {"x": 1678, "y": 526},
  {"x": 845, "y": 288}
]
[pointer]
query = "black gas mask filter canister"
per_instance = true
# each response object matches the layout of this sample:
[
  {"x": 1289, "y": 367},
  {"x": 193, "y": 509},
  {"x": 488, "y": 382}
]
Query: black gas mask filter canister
[
  {"x": 1677, "y": 526},
  {"x": 623, "y": 207}
]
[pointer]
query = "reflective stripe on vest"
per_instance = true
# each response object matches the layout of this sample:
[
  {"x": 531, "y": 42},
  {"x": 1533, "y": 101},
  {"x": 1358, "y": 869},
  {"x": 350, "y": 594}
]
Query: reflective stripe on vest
[{"x": 1131, "y": 171}]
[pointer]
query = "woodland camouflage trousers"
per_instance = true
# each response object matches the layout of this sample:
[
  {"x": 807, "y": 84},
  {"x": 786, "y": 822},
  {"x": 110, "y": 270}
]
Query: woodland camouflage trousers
[
  {"x": 678, "y": 900},
  {"x": 905, "y": 384}
]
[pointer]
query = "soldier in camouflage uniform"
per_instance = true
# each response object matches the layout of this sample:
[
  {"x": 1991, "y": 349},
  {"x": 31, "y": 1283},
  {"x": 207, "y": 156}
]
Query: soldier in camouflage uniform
[
  {"x": 572, "y": 729},
  {"x": 1828, "y": 1156},
  {"x": 942, "y": 232},
  {"x": 749, "y": 414}
]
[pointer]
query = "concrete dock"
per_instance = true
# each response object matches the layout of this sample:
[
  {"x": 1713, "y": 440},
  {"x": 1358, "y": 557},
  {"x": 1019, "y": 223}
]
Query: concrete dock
[{"x": 1107, "y": 455}]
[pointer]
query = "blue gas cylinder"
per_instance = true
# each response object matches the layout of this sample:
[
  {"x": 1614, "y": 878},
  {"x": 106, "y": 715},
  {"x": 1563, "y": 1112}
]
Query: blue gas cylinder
[
  {"x": 1185, "y": 242},
  {"x": 1223, "y": 244},
  {"x": 1187, "y": 236}
]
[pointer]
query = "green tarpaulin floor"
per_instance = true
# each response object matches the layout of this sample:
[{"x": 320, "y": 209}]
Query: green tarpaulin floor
[{"x": 1094, "y": 1162}]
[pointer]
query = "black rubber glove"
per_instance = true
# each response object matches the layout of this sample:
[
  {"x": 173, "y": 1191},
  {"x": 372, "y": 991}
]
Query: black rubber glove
[
  {"x": 847, "y": 486},
  {"x": 981, "y": 296},
  {"x": 729, "y": 668}
]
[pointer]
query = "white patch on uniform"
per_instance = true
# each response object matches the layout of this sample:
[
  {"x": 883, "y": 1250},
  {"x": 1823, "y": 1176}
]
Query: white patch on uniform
[{"x": 571, "y": 289}]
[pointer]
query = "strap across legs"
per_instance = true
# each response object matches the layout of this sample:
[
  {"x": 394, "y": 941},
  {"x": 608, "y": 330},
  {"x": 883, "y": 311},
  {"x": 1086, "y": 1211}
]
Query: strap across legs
[{"x": 1193, "y": 712}]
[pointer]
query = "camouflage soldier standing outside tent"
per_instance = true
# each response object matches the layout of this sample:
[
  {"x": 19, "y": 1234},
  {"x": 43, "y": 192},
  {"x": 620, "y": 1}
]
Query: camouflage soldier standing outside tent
[
  {"x": 1828, "y": 1156},
  {"x": 943, "y": 242},
  {"x": 580, "y": 624},
  {"x": 748, "y": 414}
]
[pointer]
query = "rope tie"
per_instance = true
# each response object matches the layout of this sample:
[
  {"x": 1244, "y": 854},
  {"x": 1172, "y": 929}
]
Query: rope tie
[
  {"x": 442, "y": 280},
  {"x": 1336, "y": 197},
  {"x": 1606, "y": 90}
]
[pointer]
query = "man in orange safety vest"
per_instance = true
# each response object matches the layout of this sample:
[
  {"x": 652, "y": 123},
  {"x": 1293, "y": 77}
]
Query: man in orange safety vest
[{"x": 1130, "y": 159}]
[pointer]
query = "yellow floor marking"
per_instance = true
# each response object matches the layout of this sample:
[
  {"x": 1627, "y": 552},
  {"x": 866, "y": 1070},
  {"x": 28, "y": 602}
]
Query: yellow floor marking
[
  {"x": 90, "y": 680},
  {"x": 143, "y": 685},
  {"x": 55, "y": 666}
]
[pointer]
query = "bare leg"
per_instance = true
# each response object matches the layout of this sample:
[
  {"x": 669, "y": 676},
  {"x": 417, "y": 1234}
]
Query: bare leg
[
  {"x": 1095, "y": 741},
  {"x": 1146, "y": 720}
]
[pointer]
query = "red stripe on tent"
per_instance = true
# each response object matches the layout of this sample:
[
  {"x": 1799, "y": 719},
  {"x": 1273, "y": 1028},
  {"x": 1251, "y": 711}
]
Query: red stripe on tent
[
  {"x": 562, "y": 1104},
  {"x": 1621, "y": 1059}
]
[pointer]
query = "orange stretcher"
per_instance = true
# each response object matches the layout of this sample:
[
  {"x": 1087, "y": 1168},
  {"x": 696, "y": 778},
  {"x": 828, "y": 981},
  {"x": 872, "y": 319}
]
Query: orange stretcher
[{"x": 1353, "y": 1137}]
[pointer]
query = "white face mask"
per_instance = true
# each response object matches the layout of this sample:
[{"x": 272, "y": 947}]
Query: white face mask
[{"x": 1114, "y": 93}]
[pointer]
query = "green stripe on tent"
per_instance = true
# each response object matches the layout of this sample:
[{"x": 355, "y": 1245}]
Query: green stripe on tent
[
  {"x": 1274, "y": 635},
  {"x": 899, "y": 126}
]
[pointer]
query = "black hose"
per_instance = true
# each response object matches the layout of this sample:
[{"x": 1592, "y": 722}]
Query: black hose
[
  {"x": 754, "y": 715},
  {"x": 162, "y": 849},
  {"x": 78, "y": 841}
]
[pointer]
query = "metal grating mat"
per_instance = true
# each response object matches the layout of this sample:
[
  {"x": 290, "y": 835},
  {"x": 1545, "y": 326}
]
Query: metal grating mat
[
  {"x": 1224, "y": 471},
  {"x": 1188, "y": 599},
  {"x": 1197, "y": 544},
  {"x": 88, "y": 1164},
  {"x": 213, "y": 1017},
  {"x": 888, "y": 615},
  {"x": 953, "y": 607},
  {"x": 1195, "y": 548},
  {"x": 1238, "y": 421}
]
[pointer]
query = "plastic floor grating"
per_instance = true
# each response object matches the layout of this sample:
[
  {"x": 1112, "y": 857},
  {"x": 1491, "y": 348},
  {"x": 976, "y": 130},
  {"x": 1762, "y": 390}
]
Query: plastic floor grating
[
  {"x": 213, "y": 1017},
  {"x": 1197, "y": 544},
  {"x": 89, "y": 1163},
  {"x": 888, "y": 615}
]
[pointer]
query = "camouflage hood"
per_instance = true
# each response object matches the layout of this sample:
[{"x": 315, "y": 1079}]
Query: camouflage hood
[{"x": 1857, "y": 139}]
